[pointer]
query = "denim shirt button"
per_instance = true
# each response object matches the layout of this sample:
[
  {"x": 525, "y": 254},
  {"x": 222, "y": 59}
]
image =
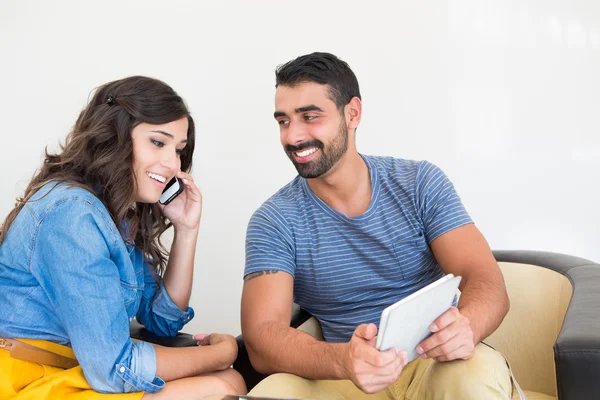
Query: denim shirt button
[
  {"x": 122, "y": 369},
  {"x": 130, "y": 319}
]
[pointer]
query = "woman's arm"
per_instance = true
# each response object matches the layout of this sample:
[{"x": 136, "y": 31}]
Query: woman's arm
[
  {"x": 184, "y": 212},
  {"x": 77, "y": 260},
  {"x": 180, "y": 268},
  {"x": 217, "y": 352}
]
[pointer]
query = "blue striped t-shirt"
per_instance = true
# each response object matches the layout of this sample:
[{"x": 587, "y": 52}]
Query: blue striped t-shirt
[{"x": 347, "y": 270}]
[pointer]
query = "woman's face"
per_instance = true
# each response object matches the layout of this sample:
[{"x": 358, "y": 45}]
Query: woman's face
[{"x": 157, "y": 156}]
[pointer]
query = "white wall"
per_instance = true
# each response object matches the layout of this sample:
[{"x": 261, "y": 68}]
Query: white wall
[{"x": 503, "y": 95}]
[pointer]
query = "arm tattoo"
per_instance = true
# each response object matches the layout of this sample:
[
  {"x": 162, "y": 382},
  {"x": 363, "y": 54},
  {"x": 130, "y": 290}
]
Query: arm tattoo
[{"x": 253, "y": 275}]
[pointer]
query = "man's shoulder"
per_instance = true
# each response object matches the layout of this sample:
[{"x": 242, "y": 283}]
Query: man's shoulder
[
  {"x": 390, "y": 163},
  {"x": 286, "y": 200},
  {"x": 395, "y": 168}
]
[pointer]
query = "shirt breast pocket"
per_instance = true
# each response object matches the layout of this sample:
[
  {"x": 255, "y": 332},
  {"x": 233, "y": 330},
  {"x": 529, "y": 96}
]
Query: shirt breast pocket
[{"x": 411, "y": 253}]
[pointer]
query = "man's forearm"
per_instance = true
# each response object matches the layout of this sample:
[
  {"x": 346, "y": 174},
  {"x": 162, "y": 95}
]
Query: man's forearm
[
  {"x": 275, "y": 347},
  {"x": 485, "y": 302}
]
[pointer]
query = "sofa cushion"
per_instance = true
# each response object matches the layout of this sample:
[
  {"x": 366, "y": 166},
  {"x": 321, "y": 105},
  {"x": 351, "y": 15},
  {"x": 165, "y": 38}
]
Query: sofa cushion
[{"x": 539, "y": 298}]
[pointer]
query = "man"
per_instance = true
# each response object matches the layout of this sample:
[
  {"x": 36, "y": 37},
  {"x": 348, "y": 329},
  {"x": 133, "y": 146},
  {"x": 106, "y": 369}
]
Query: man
[{"x": 349, "y": 236}]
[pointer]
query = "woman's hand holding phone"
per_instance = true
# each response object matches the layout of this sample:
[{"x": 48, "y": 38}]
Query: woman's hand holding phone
[{"x": 184, "y": 210}]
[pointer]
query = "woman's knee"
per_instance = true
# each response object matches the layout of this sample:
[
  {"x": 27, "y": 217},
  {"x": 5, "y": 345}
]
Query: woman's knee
[
  {"x": 235, "y": 379},
  {"x": 284, "y": 385},
  {"x": 192, "y": 388}
]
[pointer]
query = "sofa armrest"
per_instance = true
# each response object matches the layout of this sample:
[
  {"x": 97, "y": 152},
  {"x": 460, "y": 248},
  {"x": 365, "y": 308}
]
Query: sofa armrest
[
  {"x": 577, "y": 348},
  {"x": 137, "y": 331},
  {"x": 242, "y": 363}
]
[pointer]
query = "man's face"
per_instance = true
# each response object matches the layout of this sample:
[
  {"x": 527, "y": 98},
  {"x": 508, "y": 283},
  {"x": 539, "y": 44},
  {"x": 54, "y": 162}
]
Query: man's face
[{"x": 313, "y": 133}]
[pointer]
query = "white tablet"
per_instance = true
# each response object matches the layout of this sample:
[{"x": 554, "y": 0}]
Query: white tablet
[{"x": 406, "y": 323}]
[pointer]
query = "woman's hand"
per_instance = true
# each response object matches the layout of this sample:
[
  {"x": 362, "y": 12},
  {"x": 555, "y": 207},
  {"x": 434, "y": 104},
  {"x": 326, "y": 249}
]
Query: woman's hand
[
  {"x": 227, "y": 344},
  {"x": 185, "y": 210}
]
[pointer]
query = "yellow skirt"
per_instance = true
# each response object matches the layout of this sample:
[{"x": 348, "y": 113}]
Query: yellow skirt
[{"x": 25, "y": 380}]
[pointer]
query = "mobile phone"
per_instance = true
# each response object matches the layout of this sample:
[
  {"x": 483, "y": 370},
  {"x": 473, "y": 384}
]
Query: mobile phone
[{"x": 172, "y": 190}]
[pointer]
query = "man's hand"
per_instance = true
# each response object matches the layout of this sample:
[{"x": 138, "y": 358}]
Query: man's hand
[
  {"x": 452, "y": 338},
  {"x": 226, "y": 343},
  {"x": 370, "y": 369}
]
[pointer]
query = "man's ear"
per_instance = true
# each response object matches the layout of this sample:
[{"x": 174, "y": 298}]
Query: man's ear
[{"x": 353, "y": 113}]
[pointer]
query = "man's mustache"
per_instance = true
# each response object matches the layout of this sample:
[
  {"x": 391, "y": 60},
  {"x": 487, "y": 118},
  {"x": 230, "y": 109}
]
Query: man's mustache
[{"x": 311, "y": 143}]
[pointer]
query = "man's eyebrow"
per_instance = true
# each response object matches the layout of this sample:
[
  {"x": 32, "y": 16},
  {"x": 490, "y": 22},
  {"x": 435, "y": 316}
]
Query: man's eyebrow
[
  {"x": 311, "y": 107},
  {"x": 299, "y": 110},
  {"x": 168, "y": 134}
]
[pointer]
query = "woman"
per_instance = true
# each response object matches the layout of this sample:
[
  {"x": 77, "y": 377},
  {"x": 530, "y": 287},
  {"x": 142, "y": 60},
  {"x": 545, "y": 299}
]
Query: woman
[{"x": 80, "y": 256}]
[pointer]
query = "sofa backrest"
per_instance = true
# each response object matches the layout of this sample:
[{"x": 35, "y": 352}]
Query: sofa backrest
[{"x": 539, "y": 298}]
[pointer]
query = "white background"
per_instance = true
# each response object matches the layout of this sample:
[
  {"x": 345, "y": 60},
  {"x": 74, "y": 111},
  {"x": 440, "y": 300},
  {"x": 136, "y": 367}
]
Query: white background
[{"x": 502, "y": 95}]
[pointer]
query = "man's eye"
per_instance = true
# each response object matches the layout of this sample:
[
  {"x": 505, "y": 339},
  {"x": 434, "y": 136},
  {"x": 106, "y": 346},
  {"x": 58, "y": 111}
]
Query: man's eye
[
  {"x": 283, "y": 122},
  {"x": 157, "y": 143},
  {"x": 310, "y": 117}
]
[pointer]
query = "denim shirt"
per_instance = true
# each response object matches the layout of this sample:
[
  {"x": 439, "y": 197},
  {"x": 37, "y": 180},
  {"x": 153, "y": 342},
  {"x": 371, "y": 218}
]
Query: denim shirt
[{"x": 67, "y": 276}]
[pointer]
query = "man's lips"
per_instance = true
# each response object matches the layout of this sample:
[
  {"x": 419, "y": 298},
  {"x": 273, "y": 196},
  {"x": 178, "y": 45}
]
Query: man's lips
[
  {"x": 304, "y": 152},
  {"x": 305, "y": 155}
]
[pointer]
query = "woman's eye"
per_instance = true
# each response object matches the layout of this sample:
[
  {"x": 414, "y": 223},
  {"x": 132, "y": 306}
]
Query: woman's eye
[
  {"x": 179, "y": 152},
  {"x": 157, "y": 143}
]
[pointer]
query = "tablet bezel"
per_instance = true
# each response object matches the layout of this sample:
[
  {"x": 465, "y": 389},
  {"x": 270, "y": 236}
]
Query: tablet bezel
[{"x": 432, "y": 295}]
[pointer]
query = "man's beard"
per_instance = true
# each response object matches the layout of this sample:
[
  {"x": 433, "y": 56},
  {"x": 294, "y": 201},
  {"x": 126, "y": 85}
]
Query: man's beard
[{"x": 326, "y": 160}]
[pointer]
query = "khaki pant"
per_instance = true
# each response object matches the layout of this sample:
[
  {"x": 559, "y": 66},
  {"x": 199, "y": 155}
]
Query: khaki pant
[{"x": 484, "y": 376}]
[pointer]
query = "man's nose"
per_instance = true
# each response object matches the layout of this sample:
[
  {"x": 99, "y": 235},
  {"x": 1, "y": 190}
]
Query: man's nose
[{"x": 296, "y": 134}]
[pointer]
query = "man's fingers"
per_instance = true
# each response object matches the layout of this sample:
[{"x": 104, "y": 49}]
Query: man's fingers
[
  {"x": 374, "y": 384},
  {"x": 394, "y": 367},
  {"x": 438, "y": 339},
  {"x": 378, "y": 358},
  {"x": 382, "y": 377},
  {"x": 446, "y": 348},
  {"x": 445, "y": 319},
  {"x": 463, "y": 352},
  {"x": 366, "y": 331}
]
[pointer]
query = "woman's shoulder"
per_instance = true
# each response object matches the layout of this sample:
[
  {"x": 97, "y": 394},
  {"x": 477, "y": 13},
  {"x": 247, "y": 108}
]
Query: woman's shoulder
[{"x": 66, "y": 196}]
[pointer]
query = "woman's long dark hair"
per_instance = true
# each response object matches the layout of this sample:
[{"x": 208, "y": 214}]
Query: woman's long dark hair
[{"x": 98, "y": 156}]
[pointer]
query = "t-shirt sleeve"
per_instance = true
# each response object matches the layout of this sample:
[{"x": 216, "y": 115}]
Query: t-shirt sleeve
[
  {"x": 438, "y": 204},
  {"x": 269, "y": 244}
]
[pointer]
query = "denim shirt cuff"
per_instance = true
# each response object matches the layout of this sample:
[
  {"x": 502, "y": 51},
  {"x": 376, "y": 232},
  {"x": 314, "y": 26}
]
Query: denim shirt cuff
[
  {"x": 165, "y": 307},
  {"x": 140, "y": 375}
]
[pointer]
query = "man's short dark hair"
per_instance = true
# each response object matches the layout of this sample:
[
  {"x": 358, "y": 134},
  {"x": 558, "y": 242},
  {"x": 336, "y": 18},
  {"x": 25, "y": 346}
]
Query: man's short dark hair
[{"x": 323, "y": 68}]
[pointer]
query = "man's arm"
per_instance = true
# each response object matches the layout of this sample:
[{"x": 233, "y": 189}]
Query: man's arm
[
  {"x": 465, "y": 252},
  {"x": 483, "y": 303},
  {"x": 273, "y": 346}
]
